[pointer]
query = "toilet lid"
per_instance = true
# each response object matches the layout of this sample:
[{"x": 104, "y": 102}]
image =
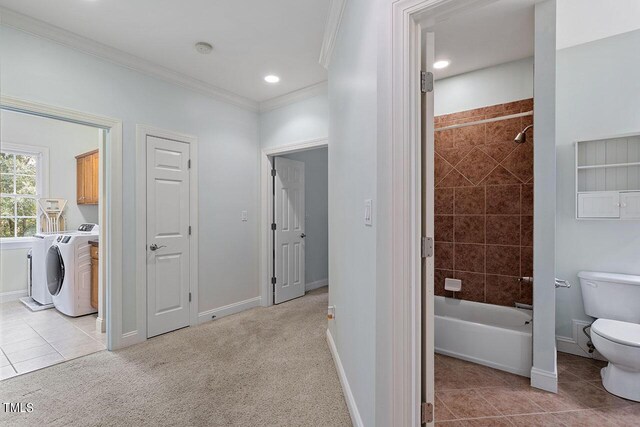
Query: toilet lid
[{"x": 624, "y": 333}]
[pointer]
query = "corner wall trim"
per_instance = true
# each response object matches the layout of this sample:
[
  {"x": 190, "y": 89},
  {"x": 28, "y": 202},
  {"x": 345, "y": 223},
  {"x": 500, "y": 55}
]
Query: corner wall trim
[
  {"x": 331, "y": 28},
  {"x": 315, "y": 285},
  {"x": 227, "y": 310},
  {"x": 346, "y": 389},
  {"x": 295, "y": 96},
  {"x": 12, "y": 295},
  {"x": 544, "y": 380}
]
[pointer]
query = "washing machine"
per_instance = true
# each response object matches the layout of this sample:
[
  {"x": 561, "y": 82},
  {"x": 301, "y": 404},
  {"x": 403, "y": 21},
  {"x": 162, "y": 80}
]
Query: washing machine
[
  {"x": 38, "y": 290},
  {"x": 68, "y": 270}
]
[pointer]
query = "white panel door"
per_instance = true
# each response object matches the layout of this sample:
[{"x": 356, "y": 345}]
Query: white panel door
[
  {"x": 427, "y": 225},
  {"x": 167, "y": 235},
  {"x": 289, "y": 233},
  {"x": 630, "y": 205}
]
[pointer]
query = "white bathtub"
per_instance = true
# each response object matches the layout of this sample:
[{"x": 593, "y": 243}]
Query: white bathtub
[{"x": 491, "y": 335}]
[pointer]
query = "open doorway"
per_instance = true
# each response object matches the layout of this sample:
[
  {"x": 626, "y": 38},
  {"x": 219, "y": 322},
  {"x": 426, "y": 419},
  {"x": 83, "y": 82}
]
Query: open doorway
[
  {"x": 53, "y": 306},
  {"x": 294, "y": 223},
  {"x": 300, "y": 214}
]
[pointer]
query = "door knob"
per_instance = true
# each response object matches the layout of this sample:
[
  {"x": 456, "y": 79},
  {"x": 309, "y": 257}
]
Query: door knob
[
  {"x": 155, "y": 247},
  {"x": 303, "y": 235}
]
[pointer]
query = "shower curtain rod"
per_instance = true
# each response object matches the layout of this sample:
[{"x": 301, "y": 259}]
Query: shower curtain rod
[{"x": 493, "y": 119}]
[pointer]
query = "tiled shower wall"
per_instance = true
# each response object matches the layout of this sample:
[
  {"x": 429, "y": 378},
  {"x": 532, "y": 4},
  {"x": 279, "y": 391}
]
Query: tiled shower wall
[{"x": 484, "y": 204}]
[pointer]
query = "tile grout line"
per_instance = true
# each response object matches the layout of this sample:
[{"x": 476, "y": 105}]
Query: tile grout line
[{"x": 9, "y": 360}]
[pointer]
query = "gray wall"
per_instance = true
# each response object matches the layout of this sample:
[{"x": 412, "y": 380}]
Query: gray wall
[
  {"x": 37, "y": 69},
  {"x": 591, "y": 104},
  {"x": 316, "y": 242}
]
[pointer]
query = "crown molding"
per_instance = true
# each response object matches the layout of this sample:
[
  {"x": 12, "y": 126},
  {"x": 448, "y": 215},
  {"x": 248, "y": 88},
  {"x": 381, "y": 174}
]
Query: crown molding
[
  {"x": 92, "y": 47},
  {"x": 331, "y": 28},
  {"x": 295, "y": 96}
]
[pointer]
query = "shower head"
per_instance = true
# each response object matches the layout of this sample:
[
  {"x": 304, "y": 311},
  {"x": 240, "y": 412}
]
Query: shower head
[{"x": 521, "y": 138}]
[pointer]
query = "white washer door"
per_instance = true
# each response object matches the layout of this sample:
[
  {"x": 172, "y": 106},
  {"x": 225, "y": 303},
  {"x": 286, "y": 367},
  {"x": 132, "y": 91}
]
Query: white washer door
[{"x": 55, "y": 270}]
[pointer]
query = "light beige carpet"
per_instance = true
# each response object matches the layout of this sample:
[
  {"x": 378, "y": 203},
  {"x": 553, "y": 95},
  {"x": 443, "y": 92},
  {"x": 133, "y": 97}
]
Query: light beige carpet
[{"x": 263, "y": 367}]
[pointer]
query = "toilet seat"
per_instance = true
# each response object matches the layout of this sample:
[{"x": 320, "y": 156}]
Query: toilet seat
[{"x": 623, "y": 333}]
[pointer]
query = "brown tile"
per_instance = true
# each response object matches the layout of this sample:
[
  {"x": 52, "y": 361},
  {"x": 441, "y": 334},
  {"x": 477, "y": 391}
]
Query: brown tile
[
  {"x": 472, "y": 286},
  {"x": 476, "y": 166},
  {"x": 503, "y": 130},
  {"x": 527, "y": 200},
  {"x": 526, "y": 293},
  {"x": 443, "y": 201},
  {"x": 442, "y": 413},
  {"x": 502, "y": 290},
  {"x": 488, "y": 422},
  {"x": 586, "y": 418},
  {"x": 622, "y": 416},
  {"x": 551, "y": 402},
  {"x": 520, "y": 162},
  {"x": 526, "y": 261},
  {"x": 469, "y": 257},
  {"x": 526, "y": 238},
  {"x": 454, "y": 155},
  {"x": 469, "y": 136},
  {"x": 499, "y": 150},
  {"x": 526, "y": 105},
  {"x": 443, "y": 255},
  {"x": 510, "y": 401},
  {"x": 441, "y": 168},
  {"x": 439, "y": 276},
  {"x": 500, "y": 176},
  {"x": 481, "y": 376},
  {"x": 469, "y": 200},
  {"x": 454, "y": 179},
  {"x": 589, "y": 395},
  {"x": 535, "y": 420},
  {"x": 503, "y": 260},
  {"x": 503, "y": 229},
  {"x": 443, "y": 139},
  {"x": 443, "y": 225},
  {"x": 467, "y": 404},
  {"x": 469, "y": 228},
  {"x": 503, "y": 199}
]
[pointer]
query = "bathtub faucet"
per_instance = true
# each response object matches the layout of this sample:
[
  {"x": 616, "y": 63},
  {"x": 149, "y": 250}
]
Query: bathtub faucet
[{"x": 528, "y": 280}]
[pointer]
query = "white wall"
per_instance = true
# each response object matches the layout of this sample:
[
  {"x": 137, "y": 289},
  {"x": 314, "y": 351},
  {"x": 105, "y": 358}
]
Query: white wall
[
  {"x": 65, "y": 141},
  {"x": 583, "y": 21},
  {"x": 502, "y": 83},
  {"x": 590, "y": 105},
  {"x": 316, "y": 242},
  {"x": 300, "y": 121},
  {"x": 40, "y": 70}
]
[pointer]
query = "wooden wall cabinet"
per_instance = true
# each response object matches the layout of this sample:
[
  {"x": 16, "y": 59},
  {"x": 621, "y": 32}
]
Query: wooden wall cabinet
[{"x": 87, "y": 166}]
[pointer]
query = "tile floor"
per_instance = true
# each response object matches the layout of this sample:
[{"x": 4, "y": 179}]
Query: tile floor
[
  {"x": 33, "y": 340},
  {"x": 472, "y": 395}
]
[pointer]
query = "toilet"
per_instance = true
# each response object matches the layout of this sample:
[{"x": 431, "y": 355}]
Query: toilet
[{"x": 614, "y": 299}]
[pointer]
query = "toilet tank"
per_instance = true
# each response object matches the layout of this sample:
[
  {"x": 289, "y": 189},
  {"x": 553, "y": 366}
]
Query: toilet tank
[{"x": 611, "y": 296}]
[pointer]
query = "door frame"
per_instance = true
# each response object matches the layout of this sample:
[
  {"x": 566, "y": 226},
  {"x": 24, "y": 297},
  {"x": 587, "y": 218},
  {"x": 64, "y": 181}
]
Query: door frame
[
  {"x": 142, "y": 131},
  {"x": 406, "y": 200},
  {"x": 266, "y": 204},
  {"x": 110, "y": 213}
]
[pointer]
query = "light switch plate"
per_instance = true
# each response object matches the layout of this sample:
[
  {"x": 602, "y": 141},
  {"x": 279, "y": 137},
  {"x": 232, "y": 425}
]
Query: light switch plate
[
  {"x": 244, "y": 216},
  {"x": 368, "y": 213}
]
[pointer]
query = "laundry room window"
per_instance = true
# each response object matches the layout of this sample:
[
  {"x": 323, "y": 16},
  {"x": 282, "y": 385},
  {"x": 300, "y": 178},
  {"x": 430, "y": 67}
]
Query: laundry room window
[{"x": 21, "y": 176}]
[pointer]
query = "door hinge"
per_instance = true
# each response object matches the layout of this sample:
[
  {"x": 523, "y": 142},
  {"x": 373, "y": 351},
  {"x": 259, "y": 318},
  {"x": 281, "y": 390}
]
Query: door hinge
[
  {"x": 273, "y": 226},
  {"x": 189, "y": 230},
  {"x": 426, "y": 413},
  {"x": 189, "y": 164},
  {"x": 426, "y": 247},
  {"x": 189, "y": 296},
  {"x": 273, "y": 172},
  {"x": 273, "y": 280},
  {"x": 426, "y": 81}
]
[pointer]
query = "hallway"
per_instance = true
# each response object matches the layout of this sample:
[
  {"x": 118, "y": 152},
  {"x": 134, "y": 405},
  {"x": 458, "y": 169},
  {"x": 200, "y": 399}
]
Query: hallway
[{"x": 265, "y": 366}]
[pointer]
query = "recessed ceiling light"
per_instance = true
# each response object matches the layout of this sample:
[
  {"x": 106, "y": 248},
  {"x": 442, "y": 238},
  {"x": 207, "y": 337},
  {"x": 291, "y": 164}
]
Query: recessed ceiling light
[
  {"x": 204, "y": 48},
  {"x": 271, "y": 79},
  {"x": 441, "y": 64}
]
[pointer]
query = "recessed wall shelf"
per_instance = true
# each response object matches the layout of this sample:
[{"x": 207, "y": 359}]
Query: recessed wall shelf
[{"x": 608, "y": 178}]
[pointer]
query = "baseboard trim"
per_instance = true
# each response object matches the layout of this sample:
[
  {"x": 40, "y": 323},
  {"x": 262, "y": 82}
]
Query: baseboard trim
[
  {"x": 101, "y": 325},
  {"x": 234, "y": 308},
  {"x": 12, "y": 296},
  {"x": 315, "y": 285},
  {"x": 544, "y": 380},
  {"x": 346, "y": 389},
  {"x": 131, "y": 338}
]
